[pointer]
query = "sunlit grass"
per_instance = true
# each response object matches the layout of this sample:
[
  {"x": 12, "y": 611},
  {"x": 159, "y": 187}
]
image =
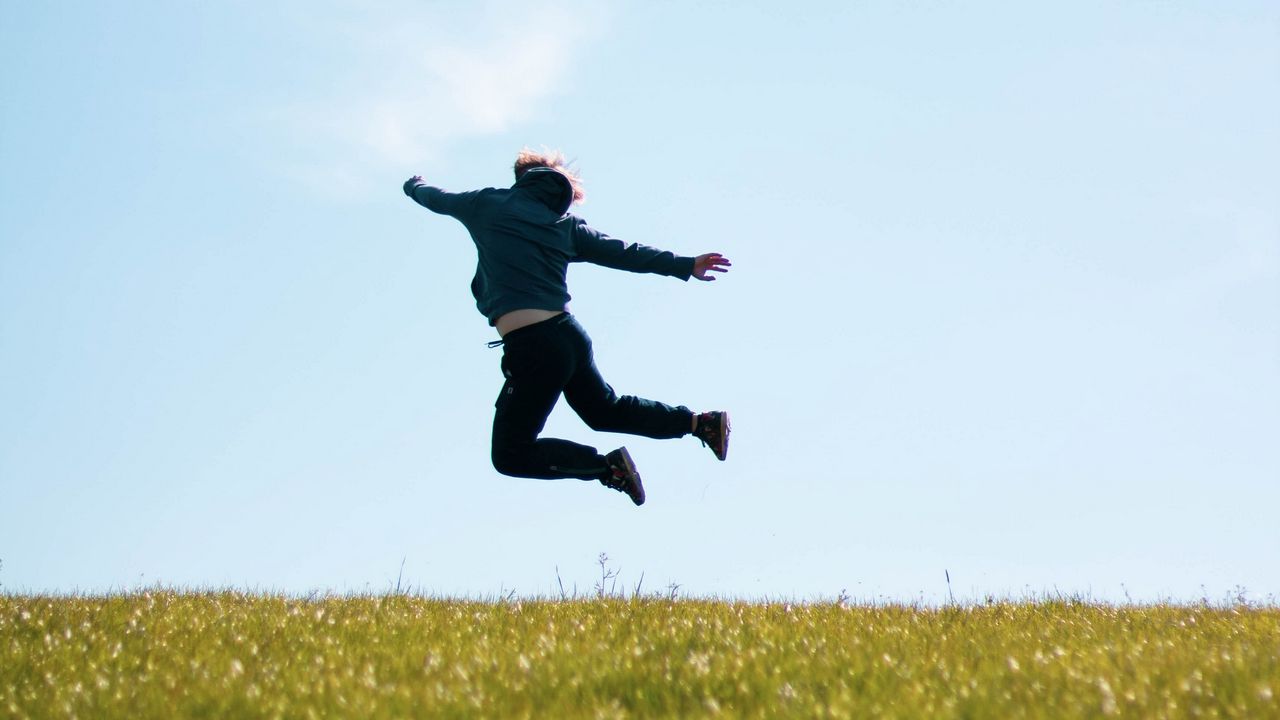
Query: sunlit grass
[{"x": 168, "y": 654}]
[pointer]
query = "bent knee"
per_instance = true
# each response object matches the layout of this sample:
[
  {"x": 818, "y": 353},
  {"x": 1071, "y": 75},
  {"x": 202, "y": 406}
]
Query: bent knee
[
  {"x": 505, "y": 464},
  {"x": 511, "y": 461},
  {"x": 603, "y": 418}
]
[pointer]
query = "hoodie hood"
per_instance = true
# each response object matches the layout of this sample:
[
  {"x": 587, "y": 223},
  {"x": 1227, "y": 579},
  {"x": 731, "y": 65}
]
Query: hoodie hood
[{"x": 549, "y": 186}]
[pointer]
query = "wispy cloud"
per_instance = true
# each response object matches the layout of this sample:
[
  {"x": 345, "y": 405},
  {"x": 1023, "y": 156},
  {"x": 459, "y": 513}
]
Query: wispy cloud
[{"x": 414, "y": 80}]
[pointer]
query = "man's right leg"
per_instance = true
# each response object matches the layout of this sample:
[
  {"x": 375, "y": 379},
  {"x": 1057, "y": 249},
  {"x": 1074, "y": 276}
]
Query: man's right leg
[
  {"x": 595, "y": 401},
  {"x": 604, "y": 410}
]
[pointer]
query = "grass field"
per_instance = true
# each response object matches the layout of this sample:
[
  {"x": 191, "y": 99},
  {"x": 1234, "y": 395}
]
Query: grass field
[{"x": 163, "y": 654}]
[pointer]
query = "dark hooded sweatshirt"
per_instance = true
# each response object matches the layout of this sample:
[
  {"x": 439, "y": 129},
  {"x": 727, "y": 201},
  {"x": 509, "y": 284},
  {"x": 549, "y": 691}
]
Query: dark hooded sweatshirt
[{"x": 526, "y": 239}]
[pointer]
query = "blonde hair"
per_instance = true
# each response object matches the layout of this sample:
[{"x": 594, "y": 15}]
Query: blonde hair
[{"x": 527, "y": 159}]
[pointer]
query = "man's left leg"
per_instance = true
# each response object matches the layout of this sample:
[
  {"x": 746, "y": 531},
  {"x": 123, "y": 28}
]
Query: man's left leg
[{"x": 536, "y": 369}]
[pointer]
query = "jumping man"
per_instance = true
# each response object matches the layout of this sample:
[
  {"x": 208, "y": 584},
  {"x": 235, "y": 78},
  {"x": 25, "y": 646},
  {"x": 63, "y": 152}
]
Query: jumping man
[{"x": 525, "y": 239}]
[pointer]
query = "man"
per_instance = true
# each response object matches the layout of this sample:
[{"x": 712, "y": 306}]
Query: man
[{"x": 525, "y": 239}]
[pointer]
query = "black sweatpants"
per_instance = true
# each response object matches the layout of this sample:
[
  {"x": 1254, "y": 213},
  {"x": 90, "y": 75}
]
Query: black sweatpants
[{"x": 540, "y": 362}]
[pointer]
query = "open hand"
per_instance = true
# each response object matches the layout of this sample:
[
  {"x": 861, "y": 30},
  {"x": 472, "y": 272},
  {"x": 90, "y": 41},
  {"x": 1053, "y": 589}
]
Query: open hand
[
  {"x": 709, "y": 263},
  {"x": 415, "y": 179}
]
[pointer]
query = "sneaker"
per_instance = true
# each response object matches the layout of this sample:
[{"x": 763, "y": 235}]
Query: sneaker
[
  {"x": 623, "y": 476},
  {"x": 713, "y": 431}
]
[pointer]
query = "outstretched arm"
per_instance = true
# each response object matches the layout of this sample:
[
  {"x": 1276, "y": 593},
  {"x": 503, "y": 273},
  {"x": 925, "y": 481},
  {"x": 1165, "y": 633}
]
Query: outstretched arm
[
  {"x": 437, "y": 200},
  {"x": 709, "y": 263},
  {"x": 595, "y": 247},
  {"x": 412, "y": 184}
]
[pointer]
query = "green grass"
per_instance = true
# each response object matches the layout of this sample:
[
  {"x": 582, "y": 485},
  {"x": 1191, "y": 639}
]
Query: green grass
[{"x": 164, "y": 654}]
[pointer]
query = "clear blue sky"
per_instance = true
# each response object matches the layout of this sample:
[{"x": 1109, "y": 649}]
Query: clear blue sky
[{"x": 1005, "y": 297}]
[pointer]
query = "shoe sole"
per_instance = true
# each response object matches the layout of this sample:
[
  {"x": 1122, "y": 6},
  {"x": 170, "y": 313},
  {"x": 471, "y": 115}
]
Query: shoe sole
[
  {"x": 635, "y": 476},
  {"x": 722, "y": 452}
]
